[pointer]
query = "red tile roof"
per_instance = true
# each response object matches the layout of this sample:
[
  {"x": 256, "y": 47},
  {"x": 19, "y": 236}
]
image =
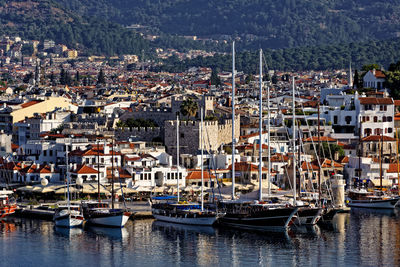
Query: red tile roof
[
  {"x": 30, "y": 103},
  {"x": 322, "y": 139},
  {"x": 196, "y": 175},
  {"x": 377, "y": 138},
  {"x": 375, "y": 101}
]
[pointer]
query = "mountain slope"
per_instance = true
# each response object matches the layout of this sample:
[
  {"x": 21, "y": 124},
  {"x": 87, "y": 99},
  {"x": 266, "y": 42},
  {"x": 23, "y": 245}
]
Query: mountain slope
[
  {"x": 42, "y": 19},
  {"x": 274, "y": 24}
]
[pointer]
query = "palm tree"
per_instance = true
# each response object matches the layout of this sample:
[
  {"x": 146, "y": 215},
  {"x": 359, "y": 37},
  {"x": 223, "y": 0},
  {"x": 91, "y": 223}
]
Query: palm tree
[{"x": 189, "y": 108}]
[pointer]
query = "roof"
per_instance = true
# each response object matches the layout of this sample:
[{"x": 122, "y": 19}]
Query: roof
[
  {"x": 376, "y": 101},
  {"x": 84, "y": 169},
  {"x": 196, "y": 175},
  {"x": 30, "y": 103},
  {"x": 378, "y": 73},
  {"x": 244, "y": 166},
  {"x": 377, "y": 138}
]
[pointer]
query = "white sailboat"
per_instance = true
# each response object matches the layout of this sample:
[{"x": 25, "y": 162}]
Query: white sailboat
[
  {"x": 99, "y": 213},
  {"x": 68, "y": 216}
]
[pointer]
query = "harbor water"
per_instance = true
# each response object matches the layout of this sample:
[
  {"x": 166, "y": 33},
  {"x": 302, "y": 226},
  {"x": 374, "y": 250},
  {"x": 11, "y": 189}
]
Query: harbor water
[{"x": 360, "y": 238}]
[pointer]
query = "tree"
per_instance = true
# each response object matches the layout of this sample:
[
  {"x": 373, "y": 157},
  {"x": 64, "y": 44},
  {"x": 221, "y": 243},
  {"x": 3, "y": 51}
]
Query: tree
[
  {"x": 369, "y": 67},
  {"x": 62, "y": 76},
  {"x": 77, "y": 77},
  {"x": 100, "y": 78},
  {"x": 189, "y": 108},
  {"x": 215, "y": 80},
  {"x": 393, "y": 83}
]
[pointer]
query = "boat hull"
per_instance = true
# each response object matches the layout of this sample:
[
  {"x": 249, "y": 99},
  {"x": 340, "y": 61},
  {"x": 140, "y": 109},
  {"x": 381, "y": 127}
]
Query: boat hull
[
  {"x": 266, "y": 220},
  {"x": 373, "y": 204},
  {"x": 69, "y": 221},
  {"x": 112, "y": 220},
  {"x": 308, "y": 216},
  {"x": 7, "y": 210},
  {"x": 204, "y": 220}
]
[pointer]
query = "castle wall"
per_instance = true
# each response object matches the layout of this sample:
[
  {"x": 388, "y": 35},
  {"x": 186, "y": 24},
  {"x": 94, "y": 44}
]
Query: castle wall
[{"x": 214, "y": 135}]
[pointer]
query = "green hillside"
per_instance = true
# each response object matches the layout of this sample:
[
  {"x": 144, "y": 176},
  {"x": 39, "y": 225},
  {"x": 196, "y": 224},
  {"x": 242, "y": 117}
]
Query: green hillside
[{"x": 269, "y": 23}]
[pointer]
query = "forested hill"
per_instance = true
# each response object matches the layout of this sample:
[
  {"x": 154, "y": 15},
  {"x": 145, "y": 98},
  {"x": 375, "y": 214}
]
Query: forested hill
[
  {"x": 270, "y": 23},
  {"x": 304, "y": 58},
  {"x": 46, "y": 19}
]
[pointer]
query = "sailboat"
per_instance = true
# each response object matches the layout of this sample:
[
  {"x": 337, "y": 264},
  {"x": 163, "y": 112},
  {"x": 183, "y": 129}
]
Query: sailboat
[
  {"x": 362, "y": 198},
  {"x": 254, "y": 215},
  {"x": 184, "y": 213},
  {"x": 68, "y": 216},
  {"x": 99, "y": 213},
  {"x": 306, "y": 215}
]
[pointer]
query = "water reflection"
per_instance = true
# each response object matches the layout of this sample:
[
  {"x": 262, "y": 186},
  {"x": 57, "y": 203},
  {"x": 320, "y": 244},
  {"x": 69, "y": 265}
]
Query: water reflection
[
  {"x": 360, "y": 238},
  {"x": 113, "y": 233},
  {"x": 173, "y": 227},
  {"x": 68, "y": 232}
]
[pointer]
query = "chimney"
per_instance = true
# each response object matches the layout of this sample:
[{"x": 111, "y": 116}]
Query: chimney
[
  {"x": 52, "y": 168},
  {"x": 373, "y": 72}
]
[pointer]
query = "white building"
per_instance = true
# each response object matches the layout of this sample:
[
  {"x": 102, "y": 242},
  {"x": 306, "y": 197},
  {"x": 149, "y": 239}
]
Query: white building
[{"x": 374, "y": 79}]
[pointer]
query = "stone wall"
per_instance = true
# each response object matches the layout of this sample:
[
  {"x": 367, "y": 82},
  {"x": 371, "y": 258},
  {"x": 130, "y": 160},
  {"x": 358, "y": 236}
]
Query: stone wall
[
  {"x": 139, "y": 134},
  {"x": 214, "y": 134}
]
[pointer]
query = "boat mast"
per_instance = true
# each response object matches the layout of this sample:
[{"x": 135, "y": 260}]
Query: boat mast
[
  {"x": 260, "y": 111},
  {"x": 177, "y": 154},
  {"x": 98, "y": 169},
  {"x": 319, "y": 155},
  {"x": 294, "y": 145},
  {"x": 233, "y": 120},
  {"x": 67, "y": 173},
  {"x": 112, "y": 173},
  {"x": 380, "y": 160},
  {"x": 397, "y": 159},
  {"x": 201, "y": 159}
]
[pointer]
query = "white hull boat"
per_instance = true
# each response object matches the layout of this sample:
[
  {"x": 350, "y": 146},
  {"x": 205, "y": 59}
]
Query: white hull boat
[
  {"x": 68, "y": 218},
  {"x": 374, "y": 204},
  {"x": 206, "y": 220}
]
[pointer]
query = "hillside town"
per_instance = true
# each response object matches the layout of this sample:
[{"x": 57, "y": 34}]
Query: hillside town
[{"x": 115, "y": 119}]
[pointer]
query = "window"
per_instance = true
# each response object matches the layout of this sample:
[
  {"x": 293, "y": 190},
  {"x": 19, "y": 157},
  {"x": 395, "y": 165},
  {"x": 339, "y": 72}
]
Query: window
[
  {"x": 375, "y": 119},
  {"x": 390, "y": 130},
  {"x": 168, "y": 176},
  {"x": 50, "y": 153},
  {"x": 182, "y": 135},
  {"x": 347, "y": 119},
  {"x": 335, "y": 119},
  {"x": 385, "y": 108},
  {"x": 381, "y": 107},
  {"x": 141, "y": 176},
  {"x": 384, "y": 118},
  {"x": 45, "y": 153},
  {"x": 389, "y": 119}
]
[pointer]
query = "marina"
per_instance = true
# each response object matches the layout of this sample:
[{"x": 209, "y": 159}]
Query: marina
[{"x": 352, "y": 240}]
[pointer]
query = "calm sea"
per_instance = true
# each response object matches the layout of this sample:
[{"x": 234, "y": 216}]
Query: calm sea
[{"x": 361, "y": 238}]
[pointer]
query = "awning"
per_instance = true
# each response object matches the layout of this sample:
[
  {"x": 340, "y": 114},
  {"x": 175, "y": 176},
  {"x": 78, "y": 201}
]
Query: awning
[{"x": 385, "y": 182}]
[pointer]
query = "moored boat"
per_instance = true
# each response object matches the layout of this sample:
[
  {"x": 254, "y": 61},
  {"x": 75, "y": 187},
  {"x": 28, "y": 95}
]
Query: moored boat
[
  {"x": 256, "y": 216},
  {"x": 7, "y": 204},
  {"x": 68, "y": 217},
  {"x": 99, "y": 213},
  {"x": 365, "y": 199}
]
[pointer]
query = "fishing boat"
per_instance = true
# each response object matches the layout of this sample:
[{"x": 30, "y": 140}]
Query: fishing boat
[
  {"x": 98, "y": 212},
  {"x": 68, "y": 216},
  {"x": 8, "y": 204},
  {"x": 183, "y": 212}
]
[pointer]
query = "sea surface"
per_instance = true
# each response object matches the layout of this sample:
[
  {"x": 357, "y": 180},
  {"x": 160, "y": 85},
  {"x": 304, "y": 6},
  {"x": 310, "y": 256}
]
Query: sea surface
[{"x": 359, "y": 238}]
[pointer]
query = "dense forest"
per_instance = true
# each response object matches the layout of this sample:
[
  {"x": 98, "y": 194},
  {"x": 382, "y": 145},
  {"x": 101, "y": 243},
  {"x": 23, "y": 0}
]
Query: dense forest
[
  {"x": 44, "y": 19},
  {"x": 265, "y": 23},
  {"x": 303, "y": 58}
]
